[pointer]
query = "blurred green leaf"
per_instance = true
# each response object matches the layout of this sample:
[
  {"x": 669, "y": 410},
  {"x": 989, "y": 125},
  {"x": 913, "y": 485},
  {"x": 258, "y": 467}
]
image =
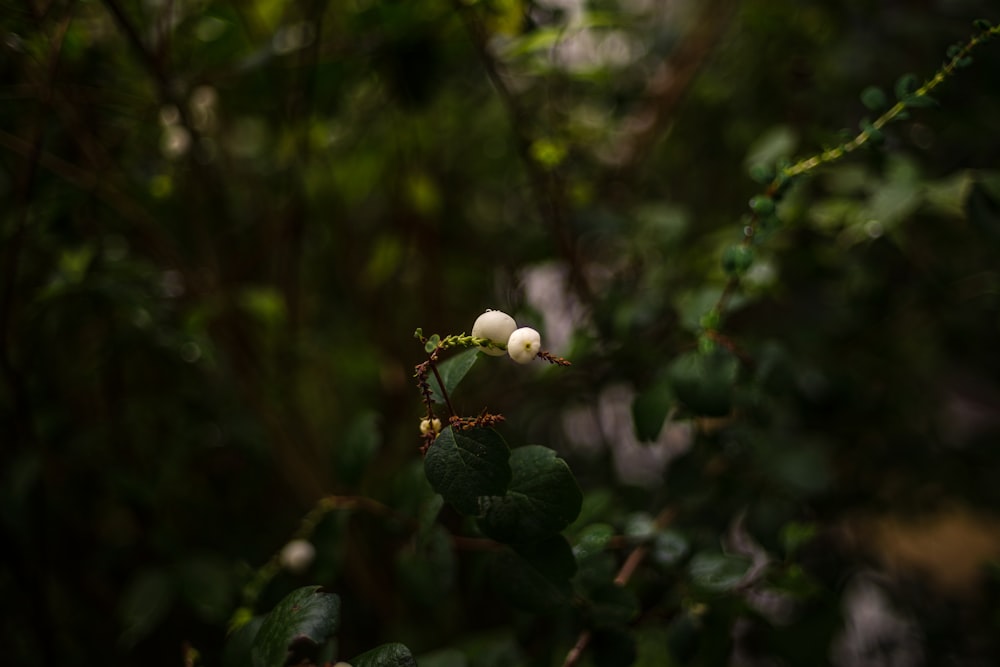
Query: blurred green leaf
[
  {"x": 519, "y": 581},
  {"x": 144, "y": 605},
  {"x": 669, "y": 547},
  {"x": 650, "y": 409},
  {"x": 717, "y": 572},
  {"x": 874, "y": 98},
  {"x": 982, "y": 208},
  {"x": 609, "y": 605},
  {"x": 703, "y": 382}
]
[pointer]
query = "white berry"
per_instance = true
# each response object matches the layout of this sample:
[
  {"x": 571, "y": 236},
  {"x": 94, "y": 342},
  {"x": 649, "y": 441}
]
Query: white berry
[
  {"x": 297, "y": 555},
  {"x": 524, "y": 345},
  {"x": 496, "y": 326},
  {"x": 428, "y": 426}
]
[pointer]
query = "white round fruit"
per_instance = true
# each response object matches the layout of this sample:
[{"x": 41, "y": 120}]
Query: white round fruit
[
  {"x": 496, "y": 326},
  {"x": 524, "y": 345}
]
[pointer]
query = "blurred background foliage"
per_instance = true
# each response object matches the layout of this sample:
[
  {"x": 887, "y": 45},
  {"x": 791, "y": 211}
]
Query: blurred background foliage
[{"x": 221, "y": 223}]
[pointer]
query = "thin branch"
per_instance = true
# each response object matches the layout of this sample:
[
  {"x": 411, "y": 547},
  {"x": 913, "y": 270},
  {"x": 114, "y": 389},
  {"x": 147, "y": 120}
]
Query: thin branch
[
  {"x": 546, "y": 186},
  {"x": 628, "y": 569},
  {"x": 667, "y": 86}
]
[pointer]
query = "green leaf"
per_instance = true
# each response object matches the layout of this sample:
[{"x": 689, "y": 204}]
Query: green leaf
[
  {"x": 452, "y": 370},
  {"x": 717, "y": 572},
  {"x": 703, "y": 382},
  {"x": 905, "y": 86},
  {"x": 144, "y": 605},
  {"x": 921, "y": 101},
  {"x": 302, "y": 622},
  {"x": 873, "y": 98},
  {"x": 468, "y": 467},
  {"x": 650, "y": 409},
  {"x": 543, "y": 498},
  {"x": 737, "y": 259},
  {"x": 532, "y": 579},
  {"x": 239, "y": 643},
  {"x": 613, "y": 647},
  {"x": 669, "y": 547},
  {"x": 610, "y": 605},
  {"x": 593, "y": 539},
  {"x": 983, "y": 210},
  {"x": 386, "y": 655},
  {"x": 552, "y": 557}
]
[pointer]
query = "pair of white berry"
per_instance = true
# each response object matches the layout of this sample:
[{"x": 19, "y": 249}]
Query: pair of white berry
[{"x": 522, "y": 344}]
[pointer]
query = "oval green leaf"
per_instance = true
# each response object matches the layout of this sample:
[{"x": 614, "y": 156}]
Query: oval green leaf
[
  {"x": 452, "y": 371},
  {"x": 305, "y": 619},
  {"x": 386, "y": 655},
  {"x": 543, "y": 498},
  {"x": 466, "y": 467}
]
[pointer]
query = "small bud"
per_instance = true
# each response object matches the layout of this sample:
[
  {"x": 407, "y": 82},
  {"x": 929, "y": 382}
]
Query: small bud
[
  {"x": 524, "y": 345},
  {"x": 428, "y": 426},
  {"x": 297, "y": 555},
  {"x": 496, "y": 326}
]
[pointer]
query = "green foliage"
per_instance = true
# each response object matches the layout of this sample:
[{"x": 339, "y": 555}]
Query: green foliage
[
  {"x": 541, "y": 499},
  {"x": 387, "y": 655},
  {"x": 220, "y": 221},
  {"x": 298, "y": 626},
  {"x": 468, "y": 467}
]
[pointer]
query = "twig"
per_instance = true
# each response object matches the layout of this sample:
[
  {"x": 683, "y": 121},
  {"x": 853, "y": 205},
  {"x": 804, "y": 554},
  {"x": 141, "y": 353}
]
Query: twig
[
  {"x": 628, "y": 569},
  {"x": 547, "y": 189}
]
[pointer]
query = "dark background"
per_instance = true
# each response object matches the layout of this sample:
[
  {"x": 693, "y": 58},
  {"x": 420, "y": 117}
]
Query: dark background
[{"x": 222, "y": 222}]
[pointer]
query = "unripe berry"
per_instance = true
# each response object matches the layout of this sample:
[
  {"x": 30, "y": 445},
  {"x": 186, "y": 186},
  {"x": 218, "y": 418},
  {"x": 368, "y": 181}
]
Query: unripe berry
[
  {"x": 297, "y": 555},
  {"x": 524, "y": 345},
  {"x": 496, "y": 326},
  {"x": 430, "y": 426}
]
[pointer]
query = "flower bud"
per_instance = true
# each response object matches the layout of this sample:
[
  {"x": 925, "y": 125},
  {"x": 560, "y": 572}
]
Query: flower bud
[
  {"x": 297, "y": 555},
  {"x": 430, "y": 426},
  {"x": 524, "y": 345},
  {"x": 496, "y": 326}
]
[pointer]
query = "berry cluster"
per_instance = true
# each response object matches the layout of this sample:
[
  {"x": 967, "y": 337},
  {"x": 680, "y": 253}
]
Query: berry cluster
[{"x": 522, "y": 344}]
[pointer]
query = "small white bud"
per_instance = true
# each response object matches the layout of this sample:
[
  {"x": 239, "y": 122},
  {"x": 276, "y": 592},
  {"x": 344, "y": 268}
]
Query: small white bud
[
  {"x": 297, "y": 555},
  {"x": 430, "y": 426},
  {"x": 496, "y": 326},
  {"x": 524, "y": 344}
]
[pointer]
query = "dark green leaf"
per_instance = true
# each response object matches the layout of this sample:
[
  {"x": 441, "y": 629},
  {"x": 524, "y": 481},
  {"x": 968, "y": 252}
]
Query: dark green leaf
[
  {"x": 921, "y": 101},
  {"x": 386, "y": 655},
  {"x": 239, "y": 643},
  {"x": 717, "y": 572},
  {"x": 905, "y": 86},
  {"x": 552, "y": 557},
  {"x": 593, "y": 539},
  {"x": 303, "y": 621},
  {"x": 144, "y": 605},
  {"x": 468, "y": 467},
  {"x": 669, "y": 547},
  {"x": 543, "y": 498},
  {"x": 525, "y": 586},
  {"x": 610, "y": 605},
  {"x": 650, "y": 409},
  {"x": 703, "y": 382},
  {"x": 613, "y": 647},
  {"x": 873, "y": 98},
  {"x": 737, "y": 259},
  {"x": 983, "y": 210},
  {"x": 452, "y": 371}
]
